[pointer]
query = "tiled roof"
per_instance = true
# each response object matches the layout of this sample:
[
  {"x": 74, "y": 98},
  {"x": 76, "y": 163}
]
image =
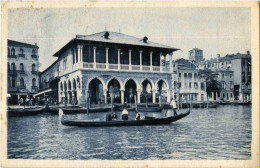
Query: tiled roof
[
  {"x": 120, "y": 38},
  {"x": 226, "y": 58},
  {"x": 114, "y": 38},
  {"x": 196, "y": 49},
  {"x": 20, "y": 44}
]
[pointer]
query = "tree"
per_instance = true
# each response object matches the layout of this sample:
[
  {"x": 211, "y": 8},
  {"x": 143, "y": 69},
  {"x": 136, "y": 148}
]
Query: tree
[{"x": 212, "y": 85}]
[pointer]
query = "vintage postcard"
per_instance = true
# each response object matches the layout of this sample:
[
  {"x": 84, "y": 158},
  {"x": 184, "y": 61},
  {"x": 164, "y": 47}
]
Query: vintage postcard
[{"x": 130, "y": 84}]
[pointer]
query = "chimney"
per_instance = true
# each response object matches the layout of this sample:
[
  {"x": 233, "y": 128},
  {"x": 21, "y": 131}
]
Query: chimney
[
  {"x": 36, "y": 44},
  {"x": 248, "y": 52},
  {"x": 145, "y": 39}
]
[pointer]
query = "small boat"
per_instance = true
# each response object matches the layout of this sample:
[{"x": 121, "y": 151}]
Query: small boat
[
  {"x": 225, "y": 103},
  {"x": 150, "y": 109},
  {"x": 142, "y": 122},
  {"x": 244, "y": 103},
  {"x": 55, "y": 109},
  {"x": 24, "y": 112}
]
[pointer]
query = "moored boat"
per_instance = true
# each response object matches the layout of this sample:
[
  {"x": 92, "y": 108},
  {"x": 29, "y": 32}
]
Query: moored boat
[
  {"x": 244, "y": 103},
  {"x": 150, "y": 109},
  {"x": 84, "y": 110},
  {"x": 142, "y": 122},
  {"x": 24, "y": 112}
]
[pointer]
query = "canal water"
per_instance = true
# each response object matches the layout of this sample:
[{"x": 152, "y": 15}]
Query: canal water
[{"x": 222, "y": 133}]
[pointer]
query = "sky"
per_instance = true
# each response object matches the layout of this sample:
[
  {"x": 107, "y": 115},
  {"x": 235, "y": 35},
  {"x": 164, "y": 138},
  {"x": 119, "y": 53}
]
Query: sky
[{"x": 214, "y": 30}]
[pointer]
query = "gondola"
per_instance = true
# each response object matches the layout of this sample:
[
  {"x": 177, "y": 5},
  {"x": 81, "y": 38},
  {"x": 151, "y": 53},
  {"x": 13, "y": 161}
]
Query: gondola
[
  {"x": 142, "y": 122},
  {"x": 150, "y": 109},
  {"x": 84, "y": 110},
  {"x": 24, "y": 112}
]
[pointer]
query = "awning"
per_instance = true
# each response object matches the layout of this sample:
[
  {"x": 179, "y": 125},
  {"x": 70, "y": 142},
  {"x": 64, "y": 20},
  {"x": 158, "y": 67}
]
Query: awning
[{"x": 42, "y": 92}]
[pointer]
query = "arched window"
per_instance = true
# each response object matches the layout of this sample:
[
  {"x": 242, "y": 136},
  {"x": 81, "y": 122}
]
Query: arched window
[
  {"x": 13, "y": 67},
  {"x": 8, "y": 51},
  {"x": 21, "y": 67},
  {"x": 21, "y": 82},
  {"x": 61, "y": 86},
  {"x": 13, "y": 82},
  {"x": 9, "y": 82},
  {"x": 33, "y": 67},
  {"x": 12, "y": 51},
  {"x": 33, "y": 82},
  {"x": 21, "y": 51},
  {"x": 33, "y": 52},
  {"x": 8, "y": 66}
]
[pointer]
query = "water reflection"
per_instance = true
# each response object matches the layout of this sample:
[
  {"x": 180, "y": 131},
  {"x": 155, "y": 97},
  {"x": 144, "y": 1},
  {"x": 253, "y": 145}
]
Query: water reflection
[{"x": 221, "y": 133}]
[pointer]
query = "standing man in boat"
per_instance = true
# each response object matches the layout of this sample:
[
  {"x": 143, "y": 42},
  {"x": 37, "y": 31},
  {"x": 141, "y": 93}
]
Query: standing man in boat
[{"x": 174, "y": 107}]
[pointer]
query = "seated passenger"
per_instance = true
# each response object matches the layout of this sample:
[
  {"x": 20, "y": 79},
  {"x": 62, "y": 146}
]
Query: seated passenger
[
  {"x": 108, "y": 117},
  {"x": 137, "y": 116},
  {"x": 125, "y": 114},
  {"x": 114, "y": 116}
]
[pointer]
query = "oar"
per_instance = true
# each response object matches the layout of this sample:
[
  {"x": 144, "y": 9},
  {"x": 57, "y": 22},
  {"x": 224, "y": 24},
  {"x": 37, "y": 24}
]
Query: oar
[{"x": 135, "y": 105}]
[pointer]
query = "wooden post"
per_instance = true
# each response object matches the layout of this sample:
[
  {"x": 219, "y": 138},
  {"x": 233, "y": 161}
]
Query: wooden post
[{"x": 135, "y": 105}]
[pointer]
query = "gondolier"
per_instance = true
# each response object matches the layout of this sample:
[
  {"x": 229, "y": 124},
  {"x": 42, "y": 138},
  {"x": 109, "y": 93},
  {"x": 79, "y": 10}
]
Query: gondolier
[{"x": 174, "y": 106}]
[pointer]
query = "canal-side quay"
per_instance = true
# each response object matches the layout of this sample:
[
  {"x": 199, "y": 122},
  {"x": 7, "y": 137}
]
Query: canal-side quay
[{"x": 222, "y": 133}]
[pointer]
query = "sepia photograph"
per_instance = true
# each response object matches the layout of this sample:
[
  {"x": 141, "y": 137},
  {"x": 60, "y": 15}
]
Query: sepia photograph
[{"x": 130, "y": 83}]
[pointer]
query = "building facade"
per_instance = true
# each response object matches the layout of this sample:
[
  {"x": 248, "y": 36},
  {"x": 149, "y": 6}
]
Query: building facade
[
  {"x": 188, "y": 83},
  {"x": 240, "y": 66},
  {"x": 100, "y": 65},
  {"x": 48, "y": 83},
  {"x": 23, "y": 74}
]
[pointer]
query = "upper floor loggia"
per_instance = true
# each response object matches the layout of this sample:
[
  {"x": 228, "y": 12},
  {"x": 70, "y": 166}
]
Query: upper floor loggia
[{"x": 116, "y": 52}]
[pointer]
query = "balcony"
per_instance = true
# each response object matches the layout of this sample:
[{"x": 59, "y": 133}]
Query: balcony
[
  {"x": 21, "y": 55},
  {"x": 34, "y": 56},
  {"x": 12, "y": 73},
  {"x": 34, "y": 89},
  {"x": 21, "y": 72},
  {"x": 12, "y": 56},
  {"x": 122, "y": 67},
  {"x": 12, "y": 89},
  {"x": 34, "y": 72}
]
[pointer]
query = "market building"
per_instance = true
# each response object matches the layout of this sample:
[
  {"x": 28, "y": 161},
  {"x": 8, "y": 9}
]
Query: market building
[
  {"x": 91, "y": 65},
  {"x": 23, "y": 63}
]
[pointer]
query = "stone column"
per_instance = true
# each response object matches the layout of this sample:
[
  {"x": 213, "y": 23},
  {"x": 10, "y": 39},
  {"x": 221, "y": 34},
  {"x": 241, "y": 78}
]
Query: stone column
[
  {"x": 141, "y": 63},
  {"x": 107, "y": 58},
  {"x": 94, "y": 54},
  {"x": 79, "y": 51},
  {"x": 168, "y": 96},
  {"x": 118, "y": 57},
  {"x": 161, "y": 61},
  {"x": 105, "y": 95},
  {"x": 151, "y": 61},
  {"x": 81, "y": 96},
  {"x": 171, "y": 66},
  {"x": 122, "y": 96},
  {"x": 130, "y": 59},
  {"x": 138, "y": 95},
  {"x": 154, "y": 96}
]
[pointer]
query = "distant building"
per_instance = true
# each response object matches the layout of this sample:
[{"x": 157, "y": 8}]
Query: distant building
[
  {"x": 240, "y": 66},
  {"x": 48, "y": 82},
  {"x": 188, "y": 84},
  {"x": 100, "y": 64},
  {"x": 196, "y": 55},
  {"x": 23, "y": 74}
]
